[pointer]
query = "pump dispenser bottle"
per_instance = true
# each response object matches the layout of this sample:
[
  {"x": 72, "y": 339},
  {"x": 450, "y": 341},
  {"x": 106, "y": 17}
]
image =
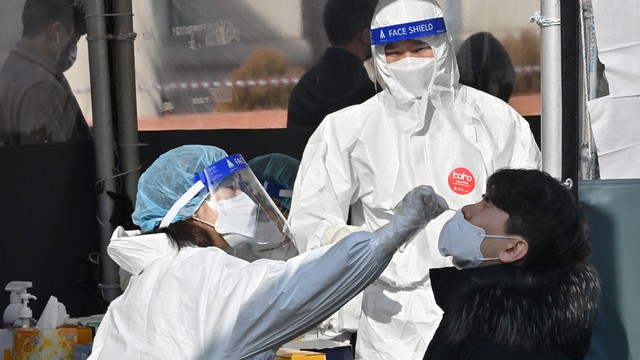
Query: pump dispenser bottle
[
  {"x": 12, "y": 312},
  {"x": 25, "y": 320}
]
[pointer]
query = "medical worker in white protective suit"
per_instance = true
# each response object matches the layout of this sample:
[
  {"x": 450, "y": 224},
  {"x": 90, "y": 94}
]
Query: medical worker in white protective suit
[
  {"x": 189, "y": 299},
  {"x": 424, "y": 128}
]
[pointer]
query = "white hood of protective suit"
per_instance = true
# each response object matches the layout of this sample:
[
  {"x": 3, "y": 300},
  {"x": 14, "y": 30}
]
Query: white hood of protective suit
[
  {"x": 134, "y": 252},
  {"x": 446, "y": 75}
]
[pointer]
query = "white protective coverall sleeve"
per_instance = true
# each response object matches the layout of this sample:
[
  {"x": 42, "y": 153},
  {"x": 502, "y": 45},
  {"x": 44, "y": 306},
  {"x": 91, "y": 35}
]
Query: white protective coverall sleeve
[{"x": 201, "y": 303}]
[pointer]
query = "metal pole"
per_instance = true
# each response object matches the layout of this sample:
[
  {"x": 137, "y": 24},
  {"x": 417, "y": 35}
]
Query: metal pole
[
  {"x": 570, "y": 93},
  {"x": 551, "y": 87},
  {"x": 103, "y": 139},
  {"x": 125, "y": 93}
]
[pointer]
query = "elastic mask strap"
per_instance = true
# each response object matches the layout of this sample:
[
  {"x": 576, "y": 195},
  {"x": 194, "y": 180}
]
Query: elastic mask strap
[
  {"x": 502, "y": 237},
  {"x": 498, "y": 237},
  {"x": 485, "y": 259},
  {"x": 180, "y": 203},
  {"x": 204, "y": 222}
]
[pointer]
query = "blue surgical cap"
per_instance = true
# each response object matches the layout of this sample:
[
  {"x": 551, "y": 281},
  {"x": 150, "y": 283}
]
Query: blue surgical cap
[
  {"x": 276, "y": 169},
  {"x": 170, "y": 176}
]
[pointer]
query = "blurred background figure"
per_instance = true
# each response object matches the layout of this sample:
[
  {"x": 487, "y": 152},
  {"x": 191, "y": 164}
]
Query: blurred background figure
[
  {"x": 340, "y": 78},
  {"x": 485, "y": 65},
  {"x": 277, "y": 174},
  {"x": 36, "y": 101}
]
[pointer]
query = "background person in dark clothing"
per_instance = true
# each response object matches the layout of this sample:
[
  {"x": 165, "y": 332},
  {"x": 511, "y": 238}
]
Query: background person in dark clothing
[
  {"x": 339, "y": 79},
  {"x": 484, "y": 64},
  {"x": 36, "y": 102},
  {"x": 522, "y": 287}
]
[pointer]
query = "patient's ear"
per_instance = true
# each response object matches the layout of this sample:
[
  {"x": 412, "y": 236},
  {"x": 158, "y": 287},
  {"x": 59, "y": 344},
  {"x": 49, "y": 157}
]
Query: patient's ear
[{"x": 516, "y": 250}]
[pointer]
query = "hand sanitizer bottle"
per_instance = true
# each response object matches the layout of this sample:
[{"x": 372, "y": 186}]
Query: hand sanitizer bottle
[
  {"x": 12, "y": 312},
  {"x": 25, "y": 320}
]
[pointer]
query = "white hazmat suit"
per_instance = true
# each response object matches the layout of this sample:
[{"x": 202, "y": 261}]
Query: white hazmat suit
[{"x": 365, "y": 157}]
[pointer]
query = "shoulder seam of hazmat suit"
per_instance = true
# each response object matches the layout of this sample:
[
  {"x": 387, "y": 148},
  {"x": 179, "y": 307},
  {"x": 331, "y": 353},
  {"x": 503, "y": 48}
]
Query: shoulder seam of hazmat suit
[
  {"x": 446, "y": 75},
  {"x": 278, "y": 313}
]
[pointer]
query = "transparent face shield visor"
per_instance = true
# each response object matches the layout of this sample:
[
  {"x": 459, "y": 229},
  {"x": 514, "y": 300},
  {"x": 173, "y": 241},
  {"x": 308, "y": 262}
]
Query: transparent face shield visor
[{"x": 245, "y": 213}]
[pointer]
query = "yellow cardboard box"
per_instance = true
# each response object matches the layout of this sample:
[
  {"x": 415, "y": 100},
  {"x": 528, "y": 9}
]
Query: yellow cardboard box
[
  {"x": 35, "y": 344},
  {"x": 290, "y": 354}
]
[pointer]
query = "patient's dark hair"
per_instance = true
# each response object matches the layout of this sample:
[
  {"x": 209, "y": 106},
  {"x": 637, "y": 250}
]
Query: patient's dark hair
[{"x": 544, "y": 213}]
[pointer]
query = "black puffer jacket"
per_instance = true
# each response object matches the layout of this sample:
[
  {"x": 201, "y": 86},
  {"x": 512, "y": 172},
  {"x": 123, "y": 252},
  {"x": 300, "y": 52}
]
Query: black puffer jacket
[{"x": 509, "y": 312}]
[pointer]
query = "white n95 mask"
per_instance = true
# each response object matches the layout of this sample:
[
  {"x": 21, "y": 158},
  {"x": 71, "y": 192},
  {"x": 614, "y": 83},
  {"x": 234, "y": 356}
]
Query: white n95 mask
[
  {"x": 461, "y": 240},
  {"x": 413, "y": 74},
  {"x": 236, "y": 215}
]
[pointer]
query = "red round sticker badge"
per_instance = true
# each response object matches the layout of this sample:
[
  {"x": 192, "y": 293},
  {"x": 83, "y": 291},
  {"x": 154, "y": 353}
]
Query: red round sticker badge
[{"x": 461, "y": 181}]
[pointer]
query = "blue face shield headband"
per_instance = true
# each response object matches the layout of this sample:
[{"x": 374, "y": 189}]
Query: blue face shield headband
[
  {"x": 408, "y": 31},
  {"x": 212, "y": 176},
  {"x": 276, "y": 190},
  {"x": 226, "y": 179}
]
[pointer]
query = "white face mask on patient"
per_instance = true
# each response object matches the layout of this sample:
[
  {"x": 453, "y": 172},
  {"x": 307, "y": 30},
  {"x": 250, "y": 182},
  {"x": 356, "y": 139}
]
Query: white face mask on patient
[{"x": 461, "y": 240}]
